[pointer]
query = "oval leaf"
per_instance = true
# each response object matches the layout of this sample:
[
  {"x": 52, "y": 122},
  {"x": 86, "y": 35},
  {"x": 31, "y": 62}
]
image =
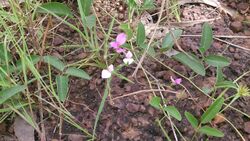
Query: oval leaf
[
  {"x": 155, "y": 102},
  {"x": 217, "y": 61},
  {"x": 127, "y": 29},
  {"x": 151, "y": 50},
  {"x": 84, "y": 7},
  {"x": 191, "y": 119},
  {"x": 140, "y": 34},
  {"x": 211, "y": 112},
  {"x": 62, "y": 83},
  {"x": 226, "y": 84},
  {"x": 55, "y": 62},
  {"x": 211, "y": 131},
  {"x": 206, "y": 38},
  {"x": 168, "y": 40},
  {"x": 173, "y": 112},
  {"x": 57, "y": 8},
  {"x": 8, "y": 93},
  {"x": 90, "y": 21},
  {"x": 77, "y": 73},
  {"x": 191, "y": 62}
]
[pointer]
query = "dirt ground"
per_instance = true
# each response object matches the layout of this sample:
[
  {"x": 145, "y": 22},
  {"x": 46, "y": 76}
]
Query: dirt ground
[{"x": 131, "y": 118}]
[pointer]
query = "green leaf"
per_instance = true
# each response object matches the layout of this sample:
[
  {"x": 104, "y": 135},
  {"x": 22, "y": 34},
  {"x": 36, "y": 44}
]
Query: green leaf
[
  {"x": 77, "y": 73},
  {"x": 206, "y": 38},
  {"x": 226, "y": 84},
  {"x": 140, "y": 34},
  {"x": 211, "y": 131},
  {"x": 211, "y": 112},
  {"x": 84, "y": 7},
  {"x": 217, "y": 61},
  {"x": 219, "y": 75},
  {"x": 191, "y": 61},
  {"x": 147, "y": 4},
  {"x": 62, "y": 83},
  {"x": 173, "y": 112},
  {"x": 151, "y": 50},
  {"x": 155, "y": 102},
  {"x": 57, "y": 8},
  {"x": 168, "y": 40},
  {"x": 55, "y": 62},
  {"x": 8, "y": 93},
  {"x": 191, "y": 119},
  {"x": 207, "y": 90},
  {"x": 90, "y": 21},
  {"x": 127, "y": 29}
]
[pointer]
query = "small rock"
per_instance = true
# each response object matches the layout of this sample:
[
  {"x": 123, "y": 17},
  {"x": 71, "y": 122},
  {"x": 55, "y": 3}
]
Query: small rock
[
  {"x": 57, "y": 41},
  {"x": 60, "y": 49},
  {"x": 132, "y": 107},
  {"x": 81, "y": 55},
  {"x": 217, "y": 45},
  {"x": 247, "y": 32},
  {"x": 131, "y": 133},
  {"x": 75, "y": 137},
  {"x": 237, "y": 56},
  {"x": 232, "y": 49},
  {"x": 243, "y": 7},
  {"x": 236, "y": 26},
  {"x": 247, "y": 127}
]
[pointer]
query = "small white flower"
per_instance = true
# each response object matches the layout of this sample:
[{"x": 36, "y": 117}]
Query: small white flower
[
  {"x": 128, "y": 58},
  {"x": 128, "y": 61},
  {"x": 106, "y": 73}
]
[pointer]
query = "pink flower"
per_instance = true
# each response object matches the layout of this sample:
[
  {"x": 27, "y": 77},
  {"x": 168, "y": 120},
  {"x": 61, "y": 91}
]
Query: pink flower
[
  {"x": 120, "y": 40},
  {"x": 176, "y": 81},
  {"x": 128, "y": 58},
  {"x": 106, "y": 73}
]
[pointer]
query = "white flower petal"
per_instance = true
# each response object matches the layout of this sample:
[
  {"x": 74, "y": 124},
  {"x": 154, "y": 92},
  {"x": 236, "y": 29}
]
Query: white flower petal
[
  {"x": 110, "y": 68},
  {"x": 128, "y": 61},
  {"x": 129, "y": 54},
  {"x": 106, "y": 74}
]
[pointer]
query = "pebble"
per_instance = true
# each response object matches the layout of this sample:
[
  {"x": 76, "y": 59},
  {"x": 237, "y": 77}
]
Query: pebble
[
  {"x": 237, "y": 56},
  {"x": 243, "y": 7},
  {"x": 57, "y": 41},
  {"x": 81, "y": 55},
  {"x": 132, "y": 107},
  {"x": 232, "y": 49},
  {"x": 247, "y": 127},
  {"x": 236, "y": 26},
  {"x": 75, "y": 137}
]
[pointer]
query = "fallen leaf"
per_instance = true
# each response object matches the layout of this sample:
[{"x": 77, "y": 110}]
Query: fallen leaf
[
  {"x": 219, "y": 118},
  {"x": 23, "y": 131}
]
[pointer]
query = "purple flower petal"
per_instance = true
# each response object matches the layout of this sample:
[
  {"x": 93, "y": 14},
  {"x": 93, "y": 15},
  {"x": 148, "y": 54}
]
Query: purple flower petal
[
  {"x": 176, "y": 81},
  {"x": 121, "y": 38},
  {"x": 114, "y": 45},
  {"x": 120, "y": 50}
]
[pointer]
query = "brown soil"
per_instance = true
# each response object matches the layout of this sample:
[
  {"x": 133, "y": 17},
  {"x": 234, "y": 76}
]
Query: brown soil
[{"x": 132, "y": 118}]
